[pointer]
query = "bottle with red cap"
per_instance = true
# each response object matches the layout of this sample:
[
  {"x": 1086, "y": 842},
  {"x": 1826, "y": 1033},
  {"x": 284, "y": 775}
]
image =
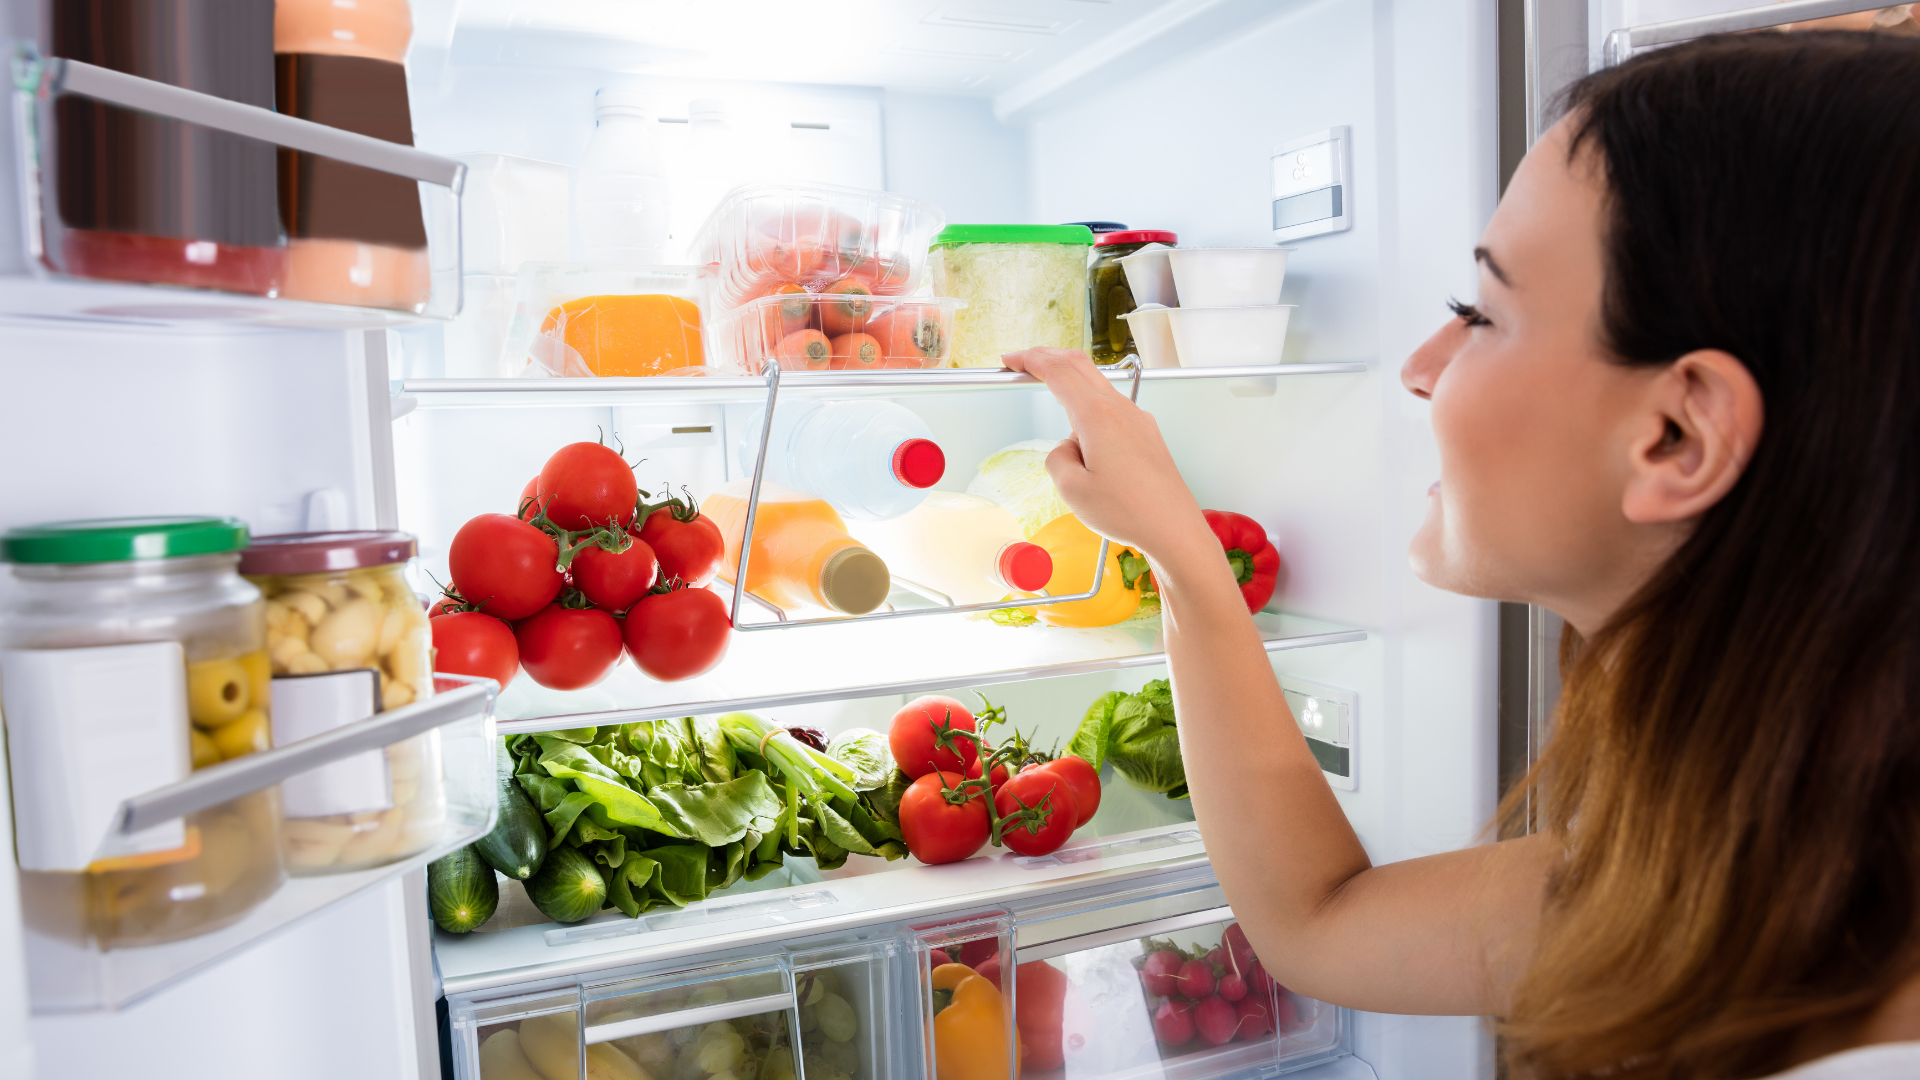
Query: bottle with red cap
[
  {"x": 870, "y": 460},
  {"x": 965, "y": 546},
  {"x": 1108, "y": 296}
]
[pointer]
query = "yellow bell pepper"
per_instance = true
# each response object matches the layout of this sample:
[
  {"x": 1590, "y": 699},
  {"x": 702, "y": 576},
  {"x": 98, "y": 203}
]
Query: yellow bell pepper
[
  {"x": 970, "y": 1034},
  {"x": 1074, "y": 548}
]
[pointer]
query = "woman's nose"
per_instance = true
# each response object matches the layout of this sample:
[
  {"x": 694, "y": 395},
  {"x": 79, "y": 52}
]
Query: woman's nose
[{"x": 1422, "y": 369}]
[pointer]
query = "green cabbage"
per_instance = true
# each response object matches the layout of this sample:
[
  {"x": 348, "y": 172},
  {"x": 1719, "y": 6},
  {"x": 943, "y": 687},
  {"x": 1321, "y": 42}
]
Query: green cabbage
[
  {"x": 1137, "y": 734},
  {"x": 1016, "y": 478},
  {"x": 865, "y": 751}
]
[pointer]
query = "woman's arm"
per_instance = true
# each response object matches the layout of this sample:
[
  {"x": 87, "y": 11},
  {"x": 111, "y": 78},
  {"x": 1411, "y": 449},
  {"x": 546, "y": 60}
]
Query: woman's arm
[{"x": 1442, "y": 934}]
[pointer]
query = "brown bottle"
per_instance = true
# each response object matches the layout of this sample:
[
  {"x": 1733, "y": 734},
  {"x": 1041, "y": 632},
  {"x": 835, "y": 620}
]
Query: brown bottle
[
  {"x": 354, "y": 235},
  {"x": 143, "y": 198}
]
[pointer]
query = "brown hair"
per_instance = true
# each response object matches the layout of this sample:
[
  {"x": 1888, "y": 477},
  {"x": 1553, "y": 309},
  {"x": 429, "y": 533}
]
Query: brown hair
[{"x": 1736, "y": 772}]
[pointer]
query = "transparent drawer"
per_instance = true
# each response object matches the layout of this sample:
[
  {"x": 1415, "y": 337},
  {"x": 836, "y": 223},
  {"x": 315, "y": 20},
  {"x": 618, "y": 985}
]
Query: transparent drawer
[
  {"x": 80, "y": 227},
  {"x": 226, "y": 822},
  {"x": 763, "y": 236},
  {"x": 967, "y": 1021},
  {"x": 824, "y": 1010}
]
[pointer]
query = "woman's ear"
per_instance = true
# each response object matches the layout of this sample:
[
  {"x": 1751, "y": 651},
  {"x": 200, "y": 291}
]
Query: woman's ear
[{"x": 1702, "y": 421}]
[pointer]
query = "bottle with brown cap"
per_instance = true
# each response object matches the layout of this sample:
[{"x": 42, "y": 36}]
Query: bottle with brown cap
[{"x": 802, "y": 556}]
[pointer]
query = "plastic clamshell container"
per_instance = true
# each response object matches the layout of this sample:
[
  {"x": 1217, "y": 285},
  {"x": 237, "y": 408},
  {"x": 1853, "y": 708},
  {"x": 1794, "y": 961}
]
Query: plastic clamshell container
[
  {"x": 582, "y": 320},
  {"x": 762, "y": 235},
  {"x": 1230, "y": 336},
  {"x": 68, "y": 971},
  {"x": 823, "y": 1004},
  {"x": 1153, "y": 336},
  {"x": 375, "y": 286},
  {"x": 836, "y": 332},
  {"x": 1150, "y": 276},
  {"x": 1125, "y": 1015},
  {"x": 1228, "y": 277}
]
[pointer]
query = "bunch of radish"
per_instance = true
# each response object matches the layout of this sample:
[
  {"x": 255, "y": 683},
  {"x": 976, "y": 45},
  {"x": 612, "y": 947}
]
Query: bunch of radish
[{"x": 1219, "y": 995}]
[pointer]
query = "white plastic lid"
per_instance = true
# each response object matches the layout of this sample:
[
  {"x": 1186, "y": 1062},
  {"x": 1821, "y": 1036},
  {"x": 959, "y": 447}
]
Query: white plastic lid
[{"x": 618, "y": 103}]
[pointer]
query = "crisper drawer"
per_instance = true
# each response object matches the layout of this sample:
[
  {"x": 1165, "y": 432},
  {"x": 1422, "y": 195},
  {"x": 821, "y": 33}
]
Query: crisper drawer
[
  {"x": 822, "y": 1009},
  {"x": 1127, "y": 985}
]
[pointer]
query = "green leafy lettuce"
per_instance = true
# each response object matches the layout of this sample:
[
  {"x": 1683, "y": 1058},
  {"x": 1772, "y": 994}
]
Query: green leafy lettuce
[{"x": 1138, "y": 735}]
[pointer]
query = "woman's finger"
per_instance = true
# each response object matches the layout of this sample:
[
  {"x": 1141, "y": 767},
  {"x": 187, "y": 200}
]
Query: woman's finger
[{"x": 1082, "y": 390}]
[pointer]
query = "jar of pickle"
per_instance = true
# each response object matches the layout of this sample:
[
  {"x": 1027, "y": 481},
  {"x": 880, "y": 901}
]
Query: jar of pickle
[
  {"x": 347, "y": 639},
  {"x": 131, "y": 654},
  {"x": 1109, "y": 296}
]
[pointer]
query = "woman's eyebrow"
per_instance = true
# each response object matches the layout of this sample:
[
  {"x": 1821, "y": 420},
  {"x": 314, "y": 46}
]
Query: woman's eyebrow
[{"x": 1485, "y": 258}]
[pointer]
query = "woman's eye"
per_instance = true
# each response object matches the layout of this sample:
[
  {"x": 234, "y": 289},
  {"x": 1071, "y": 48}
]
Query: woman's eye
[{"x": 1468, "y": 314}]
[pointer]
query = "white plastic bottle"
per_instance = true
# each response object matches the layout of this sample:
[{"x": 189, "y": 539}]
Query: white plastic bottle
[
  {"x": 621, "y": 203},
  {"x": 965, "y": 546},
  {"x": 869, "y": 460}
]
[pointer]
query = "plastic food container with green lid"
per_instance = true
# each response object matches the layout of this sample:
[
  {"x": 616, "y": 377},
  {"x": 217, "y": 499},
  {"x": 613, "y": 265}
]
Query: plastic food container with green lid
[
  {"x": 1025, "y": 286},
  {"x": 131, "y": 654}
]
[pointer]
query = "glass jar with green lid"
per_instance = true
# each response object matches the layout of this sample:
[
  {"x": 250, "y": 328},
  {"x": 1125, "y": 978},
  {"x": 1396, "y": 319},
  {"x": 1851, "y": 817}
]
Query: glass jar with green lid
[
  {"x": 1108, "y": 295},
  {"x": 1025, "y": 286},
  {"x": 131, "y": 654}
]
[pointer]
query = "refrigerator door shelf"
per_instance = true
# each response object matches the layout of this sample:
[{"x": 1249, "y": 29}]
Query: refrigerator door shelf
[
  {"x": 71, "y": 970},
  {"x": 167, "y": 277},
  {"x": 435, "y": 393}
]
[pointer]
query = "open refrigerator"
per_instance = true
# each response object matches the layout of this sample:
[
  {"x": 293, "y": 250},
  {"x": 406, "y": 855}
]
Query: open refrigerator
[{"x": 122, "y": 399}]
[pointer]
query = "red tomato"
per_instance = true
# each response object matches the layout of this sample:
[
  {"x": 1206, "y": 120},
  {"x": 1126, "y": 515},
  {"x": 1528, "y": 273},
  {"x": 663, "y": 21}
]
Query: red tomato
[
  {"x": 528, "y": 509},
  {"x": 504, "y": 565},
  {"x": 1078, "y": 774},
  {"x": 586, "y": 485},
  {"x": 1049, "y": 812},
  {"x": 679, "y": 634},
  {"x": 689, "y": 548},
  {"x": 999, "y": 774},
  {"x": 937, "y": 829},
  {"x": 566, "y": 648},
  {"x": 469, "y": 643},
  {"x": 615, "y": 580},
  {"x": 446, "y": 605},
  {"x": 924, "y": 736}
]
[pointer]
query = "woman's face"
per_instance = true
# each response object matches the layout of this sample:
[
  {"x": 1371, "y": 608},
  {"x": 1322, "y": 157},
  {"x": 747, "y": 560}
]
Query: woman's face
[{"x": 1533, "y": 422}]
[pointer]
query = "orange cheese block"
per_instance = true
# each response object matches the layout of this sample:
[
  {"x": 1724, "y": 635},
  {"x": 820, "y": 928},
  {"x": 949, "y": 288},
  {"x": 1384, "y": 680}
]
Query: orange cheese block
[{"x": 645, "y": 334}]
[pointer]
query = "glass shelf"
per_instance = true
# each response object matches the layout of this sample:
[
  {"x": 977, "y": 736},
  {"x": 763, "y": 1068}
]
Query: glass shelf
[
  {"x": 551, "y": 393},
  {"x": 170, "y": 308},
  {"x": 811, "y": 664}
]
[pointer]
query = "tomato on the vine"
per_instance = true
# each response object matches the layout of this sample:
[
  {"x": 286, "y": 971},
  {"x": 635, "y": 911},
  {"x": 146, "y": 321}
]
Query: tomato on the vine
[
  {"x": 1078, "y": 773},
  {"x": 932, "y": 733},
  {"x": 1037, "y": 812},
  {"x": 446, "y": 605},
  {"x": 999, "y": 776},
  {"x": 677, "y": 634},
  {"x": 568, "y": 648},
  {"x": 504, "y": 566},
  {"x": 943, "y": 819},
  {"x": 614, "y": 581},
  {"x": 470, "y": 643},
  {"x": 585, "y": 485},
  {"x": 687, "y": 543},
  {"x": 529, "y": 507}
]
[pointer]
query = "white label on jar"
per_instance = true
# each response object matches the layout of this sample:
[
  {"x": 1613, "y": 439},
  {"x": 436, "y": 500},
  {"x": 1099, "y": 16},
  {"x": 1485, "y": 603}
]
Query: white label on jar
[
  {"x": 86, "y": 730},
  {"x": 309, "y": 705}
]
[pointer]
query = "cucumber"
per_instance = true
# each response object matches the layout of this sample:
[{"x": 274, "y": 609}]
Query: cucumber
[
  {"x": 568, "y": 887},
  {"x": 518, "y": 843},
  {"x": 461, "y": 891}
]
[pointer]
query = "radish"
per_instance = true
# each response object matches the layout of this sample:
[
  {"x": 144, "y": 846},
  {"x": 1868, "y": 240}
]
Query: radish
[
  {"x": 1253, "y": 1017},
  {"x": 1231, "y": 986},
  {"x": 1195, "y": 979},
  {"x": 1173, "y": 1022},
  {"x": 1216, "y": 1019},
  {"x": 1160, "y": 974}
]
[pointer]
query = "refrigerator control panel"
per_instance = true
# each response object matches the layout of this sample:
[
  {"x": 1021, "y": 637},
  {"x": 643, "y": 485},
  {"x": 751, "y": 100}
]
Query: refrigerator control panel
[
  {"x": 1311, "y": 182},
  {"x": 1327, "y": 716}
]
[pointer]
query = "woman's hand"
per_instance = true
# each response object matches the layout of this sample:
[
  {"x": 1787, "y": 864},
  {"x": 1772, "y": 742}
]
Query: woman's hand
[{"x": 1114, "y": 469}]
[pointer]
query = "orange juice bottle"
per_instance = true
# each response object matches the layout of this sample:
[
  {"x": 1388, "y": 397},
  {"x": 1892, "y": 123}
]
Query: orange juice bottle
[{"x": 802, "y": 554}]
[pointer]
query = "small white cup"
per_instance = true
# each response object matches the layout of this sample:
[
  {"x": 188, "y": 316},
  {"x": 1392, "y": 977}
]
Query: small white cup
[
  {"x": 1228, "y": 277},
  {"x": 1153, "y": 335}
]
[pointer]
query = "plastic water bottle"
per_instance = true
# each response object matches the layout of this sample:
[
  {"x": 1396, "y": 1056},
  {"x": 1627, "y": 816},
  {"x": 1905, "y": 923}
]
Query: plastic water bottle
[
  {"x": 965, "y": 546},
  {"x": 621, "y": 204},
  {"x": 871, "y": 460}
]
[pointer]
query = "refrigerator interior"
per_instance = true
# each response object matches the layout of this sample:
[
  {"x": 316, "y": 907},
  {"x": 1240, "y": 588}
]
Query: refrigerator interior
[{"x": 1160, "y": 115}]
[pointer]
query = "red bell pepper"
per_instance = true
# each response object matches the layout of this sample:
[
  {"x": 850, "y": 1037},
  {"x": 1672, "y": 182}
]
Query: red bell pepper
[{"x": 1256, "y": 565}]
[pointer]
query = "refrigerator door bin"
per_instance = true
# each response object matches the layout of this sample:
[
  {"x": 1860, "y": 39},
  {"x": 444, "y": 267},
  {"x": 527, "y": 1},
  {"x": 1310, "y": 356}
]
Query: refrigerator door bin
[
  {"x": 236, "y": 807},
  {"x": 211, "y": 281}
]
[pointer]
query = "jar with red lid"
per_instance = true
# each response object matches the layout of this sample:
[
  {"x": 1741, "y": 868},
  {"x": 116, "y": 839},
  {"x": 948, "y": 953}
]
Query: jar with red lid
[
  {"x": 348, "y": 639},
  {"x": 1108, "y": 296}
]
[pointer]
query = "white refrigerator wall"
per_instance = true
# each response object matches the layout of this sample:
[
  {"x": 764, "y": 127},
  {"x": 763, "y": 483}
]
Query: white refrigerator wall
[{"x": 1336, "y": 468}]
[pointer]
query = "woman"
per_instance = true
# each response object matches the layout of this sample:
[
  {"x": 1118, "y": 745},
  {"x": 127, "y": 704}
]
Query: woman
[{"x": 1684, "y": 413}]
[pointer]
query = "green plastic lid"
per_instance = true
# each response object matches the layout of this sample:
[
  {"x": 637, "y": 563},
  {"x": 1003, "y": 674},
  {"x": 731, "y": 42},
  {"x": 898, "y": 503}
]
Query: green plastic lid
[
  {"x": 1015, "y": 234},
  {"x": 121, "y": 539}
]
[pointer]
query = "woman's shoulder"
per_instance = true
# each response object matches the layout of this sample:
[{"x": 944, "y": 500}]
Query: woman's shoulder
[{"x": 1881, "y": 1061}]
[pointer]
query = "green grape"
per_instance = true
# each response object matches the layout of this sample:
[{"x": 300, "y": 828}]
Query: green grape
[
  {"x": 684, "y": 1037},
  {"x": 811, "y": 988},
  {"x": 809, "y": 1018},
  {"x": 720, "y": 1053},
  {"x": 838, "y": 1021},
  {"x": 828, "y": 979},
  {"x": 779, "y": 1065},
  {"x": 706, "y": 994},
  {"x": 843, "y": 1056}
]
